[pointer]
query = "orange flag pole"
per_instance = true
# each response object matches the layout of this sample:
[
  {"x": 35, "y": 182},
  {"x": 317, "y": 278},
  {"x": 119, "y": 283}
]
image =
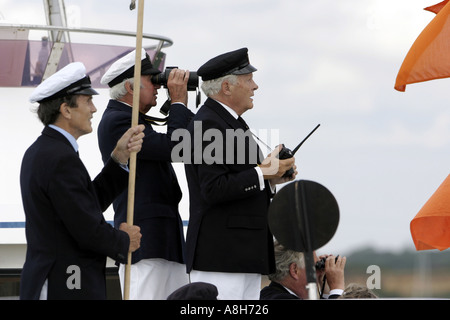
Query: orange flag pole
[{"x": 134, "y": 122}]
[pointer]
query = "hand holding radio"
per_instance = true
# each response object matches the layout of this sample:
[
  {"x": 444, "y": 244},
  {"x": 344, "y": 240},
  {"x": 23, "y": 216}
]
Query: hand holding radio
[{"x": 273, "y": 167}]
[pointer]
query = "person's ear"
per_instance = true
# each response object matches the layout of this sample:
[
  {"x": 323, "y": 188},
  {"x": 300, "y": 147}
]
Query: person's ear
[
  {"x": 226, "y": 87},
  {"x": 129, "y": 87},
  {"x": 293, "y": 270},
  {"x": 65, "y": 110}
]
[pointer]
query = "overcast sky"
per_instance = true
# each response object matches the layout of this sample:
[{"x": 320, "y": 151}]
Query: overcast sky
[{"x": 382, "y": 153}]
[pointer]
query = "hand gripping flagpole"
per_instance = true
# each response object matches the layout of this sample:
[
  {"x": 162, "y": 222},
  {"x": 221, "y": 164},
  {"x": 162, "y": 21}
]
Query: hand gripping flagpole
[{"x": 134, "y": 122}]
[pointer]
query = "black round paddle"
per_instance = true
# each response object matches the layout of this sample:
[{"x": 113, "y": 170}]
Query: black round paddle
[{"x": 304, "y": 216}]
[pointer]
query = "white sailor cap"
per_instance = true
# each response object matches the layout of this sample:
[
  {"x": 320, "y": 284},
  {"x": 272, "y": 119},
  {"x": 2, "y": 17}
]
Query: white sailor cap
[
  {"x": 70, "y": 80},
  {"x": 124, "y": 68}
]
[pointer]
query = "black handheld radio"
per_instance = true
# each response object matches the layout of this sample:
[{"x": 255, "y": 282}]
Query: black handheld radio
[{"x": 286, "y": 153}]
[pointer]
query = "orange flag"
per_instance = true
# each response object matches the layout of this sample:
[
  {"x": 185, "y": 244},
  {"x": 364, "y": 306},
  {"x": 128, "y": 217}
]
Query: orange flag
[
  {"x": 437, "y": 7},
  {"x": 430, "y": 228},
  {"x": 429, "y": 56}
]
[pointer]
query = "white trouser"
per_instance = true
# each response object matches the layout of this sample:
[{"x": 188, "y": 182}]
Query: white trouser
[
  {"x": 44, "y": 291},
  {"x": 154, "y": 279},
  {"x": 231, "y": 286}
]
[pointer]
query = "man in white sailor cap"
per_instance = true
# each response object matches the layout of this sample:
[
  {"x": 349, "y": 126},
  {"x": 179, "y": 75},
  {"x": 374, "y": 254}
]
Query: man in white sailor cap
[
  {"x": 158, "y": 267},
  {"x": 68, "y": 238}
]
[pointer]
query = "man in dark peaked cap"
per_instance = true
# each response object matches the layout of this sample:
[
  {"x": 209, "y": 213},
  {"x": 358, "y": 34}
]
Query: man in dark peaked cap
[
  {"x": 195, "y": 291},
  {"x": 158, "y": 267},
  {"x": 229, "y": 243},
  {"x": 68, "y": 238}
]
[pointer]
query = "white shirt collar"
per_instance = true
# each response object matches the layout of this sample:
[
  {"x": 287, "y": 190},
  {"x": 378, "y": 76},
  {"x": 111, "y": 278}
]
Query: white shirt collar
[
  {"x": 231, "y": 111},
  {"x": 289, "y": 290}
]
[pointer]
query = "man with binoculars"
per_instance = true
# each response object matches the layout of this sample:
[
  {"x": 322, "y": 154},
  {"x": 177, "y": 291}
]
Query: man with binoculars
[{"x": 158, "y": 267}]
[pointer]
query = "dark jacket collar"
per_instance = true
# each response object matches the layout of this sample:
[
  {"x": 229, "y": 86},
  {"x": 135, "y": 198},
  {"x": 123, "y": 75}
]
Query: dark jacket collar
[
  {"x": 279, "y": 287},
  {"x": 116, "y": 104},
  {"x": 47, "y": 131},
  {"x": 223, "y": 113},
  {"x": 121, "y": 106}
]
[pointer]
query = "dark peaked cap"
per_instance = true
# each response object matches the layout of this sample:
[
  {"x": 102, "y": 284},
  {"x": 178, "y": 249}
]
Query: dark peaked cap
[
  {"x": 195, "y": 291},
  {"x": 234, "y": 62}
]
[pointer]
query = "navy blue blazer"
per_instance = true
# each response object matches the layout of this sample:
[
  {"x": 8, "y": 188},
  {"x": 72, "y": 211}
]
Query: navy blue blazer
[
  {"x": 157, "y": 191},
  {"x": 228, "y": 229},
  {"x": 64, "y": 220},
  {"x": 275, "y": 291}
]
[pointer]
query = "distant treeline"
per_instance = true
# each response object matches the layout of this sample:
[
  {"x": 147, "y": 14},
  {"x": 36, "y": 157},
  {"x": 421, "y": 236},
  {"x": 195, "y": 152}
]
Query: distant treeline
[{"x": 404, "y": 260}]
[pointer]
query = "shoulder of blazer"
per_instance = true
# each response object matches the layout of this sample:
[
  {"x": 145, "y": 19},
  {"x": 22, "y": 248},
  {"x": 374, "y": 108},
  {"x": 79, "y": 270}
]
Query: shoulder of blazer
[
  {"x": 276, "y": 291},
  {"x": 119, "y": 111},
  {"x": 116, "y": 104},
  {"x": 115, "y": 109}
]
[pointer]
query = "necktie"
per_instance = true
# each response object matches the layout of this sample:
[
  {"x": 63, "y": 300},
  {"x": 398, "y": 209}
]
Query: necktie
[
  {"x": 246, "y": 127},
  {"x": 243, "y": 123}
]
